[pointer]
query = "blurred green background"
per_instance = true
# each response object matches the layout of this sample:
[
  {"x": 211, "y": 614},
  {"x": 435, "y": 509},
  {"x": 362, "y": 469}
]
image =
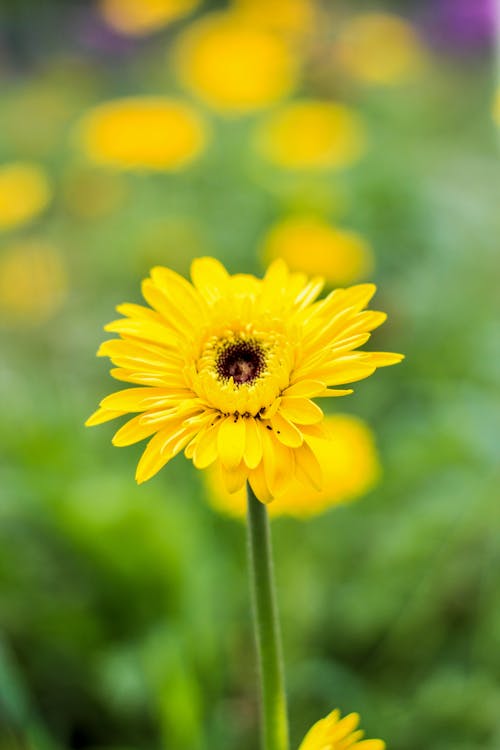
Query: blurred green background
[{"x": 124, "y": 610}]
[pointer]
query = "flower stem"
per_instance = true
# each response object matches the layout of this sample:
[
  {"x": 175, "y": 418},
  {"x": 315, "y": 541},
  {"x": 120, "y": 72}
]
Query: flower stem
[{"x": 267, "y": 632}]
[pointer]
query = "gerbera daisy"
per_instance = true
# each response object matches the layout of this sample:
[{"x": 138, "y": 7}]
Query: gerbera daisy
[
  {"x": 227, "y": 368},
  {"x": 334, "y": 733}
]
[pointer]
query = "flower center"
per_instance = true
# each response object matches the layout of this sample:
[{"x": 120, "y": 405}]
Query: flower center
[{"x": 243, "y": 361}]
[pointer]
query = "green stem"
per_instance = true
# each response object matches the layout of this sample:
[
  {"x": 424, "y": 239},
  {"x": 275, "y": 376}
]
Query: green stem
[{"x": 267, "y": 632}]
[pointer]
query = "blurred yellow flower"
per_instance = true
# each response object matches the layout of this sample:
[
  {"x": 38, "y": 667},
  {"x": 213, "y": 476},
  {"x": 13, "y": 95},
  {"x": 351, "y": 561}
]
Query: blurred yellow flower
[
  {"x": 92, "y": 193},
  {"x": 142, "y": 133},
  {"x": 311, "y": 134},
  {"x": 334, "y": 733},
  {"x": 311, "y": 245},
  {"x": 379, "y": 49},
  {"x": 350, "y": 465},
  {"x": 33, "y": 282},
  {"x": 296, "y": 17},
  {"x": 234, "y": 66},
  {"x": 24, "y": 193},
  {"x": 141, "y": 17},
  {"x": 227, "y": 367}
]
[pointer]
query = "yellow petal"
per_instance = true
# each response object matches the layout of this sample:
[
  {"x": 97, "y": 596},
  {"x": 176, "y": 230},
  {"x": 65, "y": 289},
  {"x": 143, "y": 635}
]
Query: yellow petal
[
  {"x": 359, "y": 295},
  {"x": 170, "y": 313},
  {"x": 276, "y": 276},
  {"x": 364, "y": 322},
  {"x": 153, "y": 458},
  {"x": 141, "y": 399},
  {"x": 231, "y": 442},
  {"x": 307, "y": 388},
  {"x": 189, "y": 449},
  {"x": 335, "y": 392},
  {"x": 209, "y": 277},
  {"x": 371, "y": 745},
  {"x": 143, "y": 378},
  {"x": 160, "y": 450},
  {"x": 268, "y": 455},
  {"x": 142, "y": 355},
  {"x": 130, "y": 310},
  {"x": 284, "y": 467},
  {"x": 344, "y": 727},
  {"x": 309, "y": 293},
  {"x": 133, "y": 431},
  {"x": 177, "y": 289},
  {"x": 271, "y": 410},
  {"x": 307, "y": 468},
  {"x": 205, "y": 452},
  {"x": 384, "y": 359},
  {"x": 300, "y": 410},
  {"x": 103, "y": 415},
  {"x": 234, "y": 479},
  {"x": 144, "y": 329},
  {"x": 347, "y": 343},
  {"x": 253, "y": 444},
  {"x": 259, "y": 485},
  {"x": 286, "y": 432},
  {"x": 320, "y": 430},
  {"x": 339, "y": 373}
]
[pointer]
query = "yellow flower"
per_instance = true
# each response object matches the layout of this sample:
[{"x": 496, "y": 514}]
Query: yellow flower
[
  {"x": 296, "y": 17},
  {"x": 334, "y": 733},
  {"x": 311, "y": 245},
  {"x": 350, "y": 466},
  {"x": 312, "y": 134},
  {"x": 141, "y": 17},
  {"x": 379, "y": 49},
  {"x": 33, "y": 282},
  {"x": 235, "y": 67},
  {"x": 142, "y": 133},
  {"x": 24, "y": 193},
  {"x": 227, "y": 369}
]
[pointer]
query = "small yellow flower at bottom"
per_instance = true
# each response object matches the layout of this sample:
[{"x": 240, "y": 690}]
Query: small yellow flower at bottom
[{"x": 334, "y": 733}]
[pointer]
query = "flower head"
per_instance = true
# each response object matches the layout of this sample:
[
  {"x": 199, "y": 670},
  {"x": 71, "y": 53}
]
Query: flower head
[
  {"x": 294, "y": 17},
  {"x": 235, "y": 66},
  {"x": 142, "y": 133},
  {"x": 341, "y": 256},
  {"x": 227, "y": 369},
  {"x": 312, "y": 135},
  {"x": 334, "y": 733},
  {"x": 379, "y": 49},
  {"x": 349, "y": 464},
  {"x": 24, "y": 193}
]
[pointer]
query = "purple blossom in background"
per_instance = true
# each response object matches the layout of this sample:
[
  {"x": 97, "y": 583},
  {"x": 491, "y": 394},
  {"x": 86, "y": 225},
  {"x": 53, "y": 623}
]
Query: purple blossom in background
[
  {"x": 463, "y": 26},
  {"x": 96, "y": 36}
]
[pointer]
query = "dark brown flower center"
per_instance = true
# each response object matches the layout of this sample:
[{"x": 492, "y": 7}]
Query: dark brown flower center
[{"x": 243, "y": 361}]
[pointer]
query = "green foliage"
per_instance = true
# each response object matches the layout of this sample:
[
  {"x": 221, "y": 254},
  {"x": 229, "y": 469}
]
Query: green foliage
[{"x": 124, "y": 610}]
